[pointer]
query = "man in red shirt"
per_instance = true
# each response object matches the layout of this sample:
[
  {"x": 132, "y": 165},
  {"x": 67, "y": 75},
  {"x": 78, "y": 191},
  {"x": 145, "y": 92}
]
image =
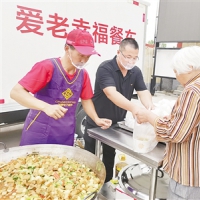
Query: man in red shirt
[{"x": 57, "y": 85}]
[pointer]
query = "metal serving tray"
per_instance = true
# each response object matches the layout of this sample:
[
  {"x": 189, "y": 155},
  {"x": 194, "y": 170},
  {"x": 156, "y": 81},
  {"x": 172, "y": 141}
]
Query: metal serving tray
[{"x": 123, "y": 126}]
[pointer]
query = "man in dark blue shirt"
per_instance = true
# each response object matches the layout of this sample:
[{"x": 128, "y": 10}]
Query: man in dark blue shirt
[{"x": 116, "y": 80}]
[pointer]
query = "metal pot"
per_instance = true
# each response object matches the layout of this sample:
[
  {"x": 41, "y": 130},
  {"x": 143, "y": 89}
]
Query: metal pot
[
  {"x": 135, "y": 181},
  {"x": 80, "y": 155}
]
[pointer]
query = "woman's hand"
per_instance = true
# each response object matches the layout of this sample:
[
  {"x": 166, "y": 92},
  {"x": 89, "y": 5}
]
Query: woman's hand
[{"x": 142, "y": 115}]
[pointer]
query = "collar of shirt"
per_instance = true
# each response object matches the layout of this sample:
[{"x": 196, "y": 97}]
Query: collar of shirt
[{"x": 193, "y": 79}]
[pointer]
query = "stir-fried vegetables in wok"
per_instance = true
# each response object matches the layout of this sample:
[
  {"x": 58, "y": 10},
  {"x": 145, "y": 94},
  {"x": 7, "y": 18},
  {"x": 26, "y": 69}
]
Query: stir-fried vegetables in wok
[{"x": 36, "y": 177}]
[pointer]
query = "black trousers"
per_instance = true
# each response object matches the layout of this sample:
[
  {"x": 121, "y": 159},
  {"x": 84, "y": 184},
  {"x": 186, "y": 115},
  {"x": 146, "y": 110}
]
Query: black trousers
[{"x": 108, "y": 152}]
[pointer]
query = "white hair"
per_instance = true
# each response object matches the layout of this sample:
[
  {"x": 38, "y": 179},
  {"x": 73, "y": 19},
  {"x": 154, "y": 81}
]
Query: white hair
[{"x": 186, "y": 60}]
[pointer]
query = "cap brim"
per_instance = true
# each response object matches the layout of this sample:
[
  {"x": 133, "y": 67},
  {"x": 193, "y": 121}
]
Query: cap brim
[{"x": 86, "y": 50}]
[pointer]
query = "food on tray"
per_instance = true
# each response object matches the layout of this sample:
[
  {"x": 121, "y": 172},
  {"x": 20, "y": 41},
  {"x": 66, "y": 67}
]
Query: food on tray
[
  {"x": 46, "y": 177},
  {"x": 2, "y": 164}
]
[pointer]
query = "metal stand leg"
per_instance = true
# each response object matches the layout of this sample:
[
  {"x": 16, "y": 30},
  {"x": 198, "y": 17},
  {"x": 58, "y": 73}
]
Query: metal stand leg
[
  {"x": 98, "y": 148},
  {"x": 152, "y": 85},
  {"x": 153, "y": 184}
]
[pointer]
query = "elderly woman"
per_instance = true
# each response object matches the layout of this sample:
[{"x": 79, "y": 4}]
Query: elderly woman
[{"x": 181, "y": 130}]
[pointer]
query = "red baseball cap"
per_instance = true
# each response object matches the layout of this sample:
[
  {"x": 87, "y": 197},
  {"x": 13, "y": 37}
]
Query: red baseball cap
[{"x": 82, "y": 41}]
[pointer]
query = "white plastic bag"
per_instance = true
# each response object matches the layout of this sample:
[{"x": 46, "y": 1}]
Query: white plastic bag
[
  {"x": 129, "y": 122},
  {"x": 163, "y": 108},
  {"x": 144, "y": 137}
]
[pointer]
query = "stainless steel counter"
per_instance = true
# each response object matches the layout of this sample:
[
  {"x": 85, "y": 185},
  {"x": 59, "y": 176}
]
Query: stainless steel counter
[{"x": 122, "y": 140}]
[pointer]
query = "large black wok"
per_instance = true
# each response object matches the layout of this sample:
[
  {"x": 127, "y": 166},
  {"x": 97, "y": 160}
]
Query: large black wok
[{"x": 80, "y": 155}]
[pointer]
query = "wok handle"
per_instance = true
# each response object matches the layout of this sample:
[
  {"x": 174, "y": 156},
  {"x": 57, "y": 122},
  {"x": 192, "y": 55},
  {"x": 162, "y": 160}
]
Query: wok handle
[
  {"x": 93, "y": 193},
  {"x": 5, "y": 147}
]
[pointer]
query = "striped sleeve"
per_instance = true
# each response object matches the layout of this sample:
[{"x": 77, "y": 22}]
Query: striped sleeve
[{"x": 185, "y": 118}]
